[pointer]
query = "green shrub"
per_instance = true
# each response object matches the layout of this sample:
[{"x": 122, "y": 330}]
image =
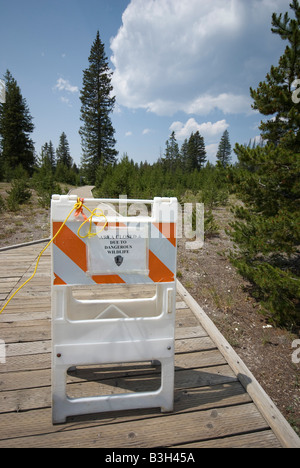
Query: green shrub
[
  {"x": 18, "y": 195},
  {"x": 45, "y": 186}
]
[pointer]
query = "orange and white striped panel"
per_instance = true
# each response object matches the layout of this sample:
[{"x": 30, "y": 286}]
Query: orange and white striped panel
[{"x": 135, "y": 252}]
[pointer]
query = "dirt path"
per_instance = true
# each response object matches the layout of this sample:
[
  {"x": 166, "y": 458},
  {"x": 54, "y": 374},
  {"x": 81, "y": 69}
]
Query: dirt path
[{"x": 83, "y": 192}]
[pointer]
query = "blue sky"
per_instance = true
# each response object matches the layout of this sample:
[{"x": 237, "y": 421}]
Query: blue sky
[{"x": 182, "y": 65}]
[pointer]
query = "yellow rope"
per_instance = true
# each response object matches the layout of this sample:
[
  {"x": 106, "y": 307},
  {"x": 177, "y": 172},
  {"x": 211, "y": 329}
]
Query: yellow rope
[
  {"x": 89, "y": 219},
  {"x": 77, "y": 207}
]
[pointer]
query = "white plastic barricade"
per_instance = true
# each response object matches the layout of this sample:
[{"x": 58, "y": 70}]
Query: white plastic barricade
[{"x": 120, "y": 250}]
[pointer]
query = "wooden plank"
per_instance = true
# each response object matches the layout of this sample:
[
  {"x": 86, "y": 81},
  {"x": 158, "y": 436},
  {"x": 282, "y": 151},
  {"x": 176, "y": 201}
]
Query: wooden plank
[
  {"x": 24, "y": 317},
  {"x": 25, "y": 399},
  {"x": 189, "y": 332},
  {"x": 25, "y": 307},
  {"x": 9, "y": 279},
  {"x": 17, "y": 334},
  {"x": 35, "y": 422},
  {"x": 25, "y": 379},
  {"x": 185, "y": 318},
  {"x": 181, "y": 305},
  {"x": 25, "y": 302},
  {"x": 194, "y": 344},
  {"x": 6, "y": 287},
  {"x": 266, "y": 406},
  {"x": 150, "y": 433},
  {"x": 21, "y": 349},
  {"x": 26, "y": 363},
  {"x": 262, "y": 439}
]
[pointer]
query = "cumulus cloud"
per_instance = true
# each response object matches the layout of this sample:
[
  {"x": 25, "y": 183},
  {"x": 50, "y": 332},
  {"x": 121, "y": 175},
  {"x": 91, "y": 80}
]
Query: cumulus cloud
[
  {"x": 191, "y": 55},
  {"x": 207, "y": 129},
  {"x": 228, "y": 103},
  {"x": 65, "y": 85}
]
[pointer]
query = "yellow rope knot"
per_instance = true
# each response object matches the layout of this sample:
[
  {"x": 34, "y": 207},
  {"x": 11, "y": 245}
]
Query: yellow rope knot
[{"x": 97, "y": 213}]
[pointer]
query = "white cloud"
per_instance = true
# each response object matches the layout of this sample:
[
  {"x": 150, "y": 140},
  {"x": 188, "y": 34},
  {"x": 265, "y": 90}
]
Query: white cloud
[
  {"x": 127, "y": 134},
  {"x": 65, "y": 100},
  {"x": 228, "y": 103},
  {"x": 146, "y": 131},
  {"x": 211, "y": 151},
  {"x": 191, "y": 55},
  {"x": 207, "y": 129},
  {"x": 65, "y": 85}
]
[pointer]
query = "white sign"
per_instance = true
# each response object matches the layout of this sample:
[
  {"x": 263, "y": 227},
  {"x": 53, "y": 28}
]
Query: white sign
[{"x": 118, "y": 250}]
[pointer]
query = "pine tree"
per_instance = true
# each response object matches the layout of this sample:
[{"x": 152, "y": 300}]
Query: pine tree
[
  {"x": 63, "y": 152},
  {"x": 267, "y": 227},
  {"x": 97, "y": 133},
  {"x": 184, "y": 153},
  {"x": 17, "y": 148},
  {"x": 196, "y": 153},
  {"x": 224, "y": 150},
  {"x": 172, "y": 155},
  {"x": 274, "y": 95},
  {"x": 47, "y": 158}
]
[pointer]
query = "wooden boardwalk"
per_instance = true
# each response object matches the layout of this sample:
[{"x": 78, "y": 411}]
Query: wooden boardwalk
[{"x": 217, "y": 401}]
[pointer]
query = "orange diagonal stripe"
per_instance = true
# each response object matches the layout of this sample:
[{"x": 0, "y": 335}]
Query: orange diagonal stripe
[
  {"x": 158, "y": 271},
  {"x": 58, "y": 280},
  {"x": 71, "y": 245},
  {"x": 168, "y": 230},
  {"x": 107, "y": 279}
]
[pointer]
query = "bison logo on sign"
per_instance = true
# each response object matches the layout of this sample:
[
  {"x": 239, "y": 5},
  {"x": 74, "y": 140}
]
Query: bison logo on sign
[{"x": 119, "y": 260}]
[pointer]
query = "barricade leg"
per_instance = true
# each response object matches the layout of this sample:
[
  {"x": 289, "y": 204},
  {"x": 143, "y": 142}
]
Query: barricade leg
[{"x": 107, "y": 341}]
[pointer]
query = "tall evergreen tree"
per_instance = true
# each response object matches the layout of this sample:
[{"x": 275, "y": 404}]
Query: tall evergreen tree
[
  {"x": 63, "y": 152},
  {"x": 267, "y": 227},
  {"x": 17, "y": 148},
  {"x": 47, "y": 158},
  {"x": 184, "y": 153},
  {"x": 273, "y": 96},
  {"x": 97, "y": 132},
  {"x": 196, "y": 152},
  {"x": 224, "y": 150},
  {"x": 172, "y": 155}
]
